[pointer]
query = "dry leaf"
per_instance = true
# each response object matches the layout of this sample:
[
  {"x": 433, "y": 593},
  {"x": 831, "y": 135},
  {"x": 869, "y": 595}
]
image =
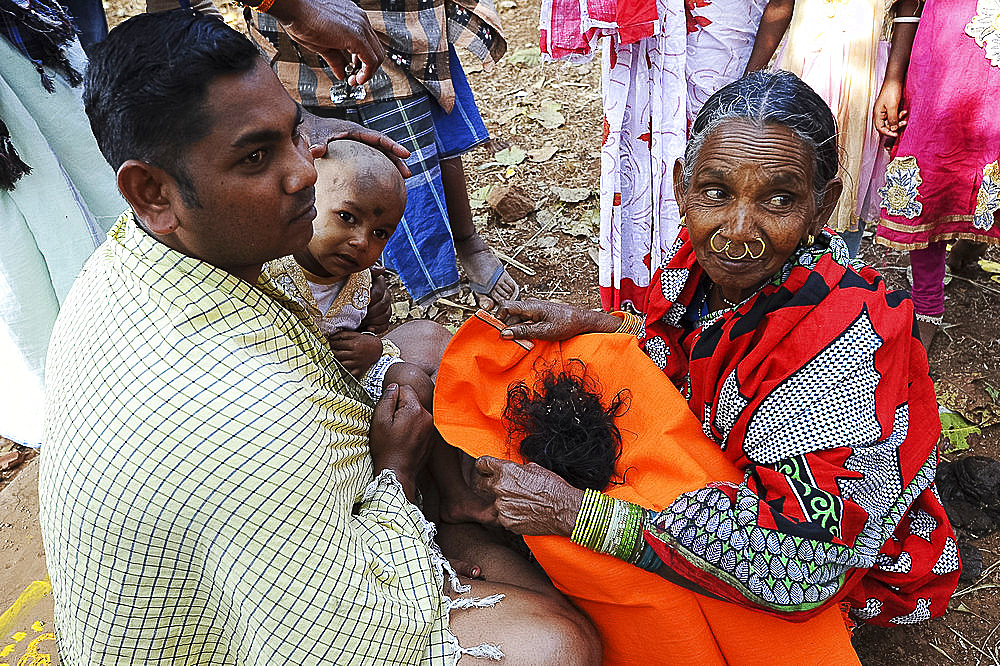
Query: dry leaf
[
  {"x": 546, "y": 241},
  {"x": 583, "y": 227},
  {"x": 549, "y": 116},
  {"x": 400, "y": 309},
  {"x": 526, "y": 56},
  {"x": 509, "y": 115},
  {"x": 571, "y": 194},
  {"x": 507, "y": 4},
  {"x": 510, "y": 156},
  {"x": 543, "y": 154},
  {"x": 478, "y": 197},
  {"x": 989, "y": 266}
]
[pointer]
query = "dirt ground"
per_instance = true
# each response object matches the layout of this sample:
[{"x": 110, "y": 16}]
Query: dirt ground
[{"x": 546, "y": 123}]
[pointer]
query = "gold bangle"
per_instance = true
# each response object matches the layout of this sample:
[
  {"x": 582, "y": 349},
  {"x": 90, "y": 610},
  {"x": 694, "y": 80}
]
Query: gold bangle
[{"x": 631, "y": 324}]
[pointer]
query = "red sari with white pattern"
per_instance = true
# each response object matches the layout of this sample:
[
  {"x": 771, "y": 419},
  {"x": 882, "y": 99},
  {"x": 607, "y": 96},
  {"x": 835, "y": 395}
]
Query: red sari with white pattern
[{"x": 818, "y": 390}]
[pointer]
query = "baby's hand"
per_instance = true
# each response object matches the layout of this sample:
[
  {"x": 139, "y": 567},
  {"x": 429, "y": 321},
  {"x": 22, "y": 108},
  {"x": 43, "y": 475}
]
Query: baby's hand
[
  {"x": 377, "y": 318},
  {"x": 356, "y": 351}
]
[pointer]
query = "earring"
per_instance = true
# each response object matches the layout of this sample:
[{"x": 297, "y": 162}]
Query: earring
[
  {"x": 683, "y": 222},
  {"x": 810, "y": 239}
]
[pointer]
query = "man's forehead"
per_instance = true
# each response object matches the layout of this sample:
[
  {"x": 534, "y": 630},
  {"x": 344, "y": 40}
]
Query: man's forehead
[{"x": 247, "y": 102}]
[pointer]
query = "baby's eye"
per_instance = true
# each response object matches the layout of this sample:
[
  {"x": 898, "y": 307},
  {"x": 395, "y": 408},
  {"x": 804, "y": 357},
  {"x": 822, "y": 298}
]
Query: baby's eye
[
  {"x": 346, "y": 217},
  {"x": 380, "y": 234}
]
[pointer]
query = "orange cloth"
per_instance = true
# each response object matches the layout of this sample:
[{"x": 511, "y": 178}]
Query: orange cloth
[{"x": 642, "y": 618}]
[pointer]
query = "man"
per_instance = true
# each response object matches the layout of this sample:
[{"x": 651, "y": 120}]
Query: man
[{"x": 215, "y": 488}]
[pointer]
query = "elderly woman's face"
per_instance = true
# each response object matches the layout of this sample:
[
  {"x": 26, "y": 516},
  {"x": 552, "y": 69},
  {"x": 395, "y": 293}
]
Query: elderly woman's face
[{"x": 749, "y": 203}]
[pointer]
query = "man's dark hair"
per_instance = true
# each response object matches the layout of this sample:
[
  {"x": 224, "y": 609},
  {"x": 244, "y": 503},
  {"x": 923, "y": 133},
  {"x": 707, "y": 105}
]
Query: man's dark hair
[{"x": 145, "y": 87}]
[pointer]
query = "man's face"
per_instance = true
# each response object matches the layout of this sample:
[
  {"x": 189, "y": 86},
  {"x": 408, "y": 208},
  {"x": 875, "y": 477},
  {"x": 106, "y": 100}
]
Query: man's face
[{"x": 253, "y": 175}]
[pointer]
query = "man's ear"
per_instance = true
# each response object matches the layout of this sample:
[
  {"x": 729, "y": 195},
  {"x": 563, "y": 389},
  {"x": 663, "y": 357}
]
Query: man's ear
[
  {"x": 146, "y": 188},
  {"x": 831, "y": 195},
  {"x": 679, "y": 191}
]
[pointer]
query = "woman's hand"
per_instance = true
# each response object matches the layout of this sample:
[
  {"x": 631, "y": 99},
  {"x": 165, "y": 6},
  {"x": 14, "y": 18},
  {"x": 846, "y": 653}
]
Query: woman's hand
[
  {"x": 889, "y": 119},
  {"x": 529, "y": 499},
  {"x": 544, "y": 320}
]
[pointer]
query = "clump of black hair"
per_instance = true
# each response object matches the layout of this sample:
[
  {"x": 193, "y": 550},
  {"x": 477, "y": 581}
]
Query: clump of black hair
[{"x": 562, "y": 425}]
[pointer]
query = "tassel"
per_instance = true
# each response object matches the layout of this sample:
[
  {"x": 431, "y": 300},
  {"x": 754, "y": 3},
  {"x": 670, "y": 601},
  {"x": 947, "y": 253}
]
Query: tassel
[
  {"x": 11, "y": 165},
  {"x": 473, "y": 602},
  {"x": 484, "y": 651}
]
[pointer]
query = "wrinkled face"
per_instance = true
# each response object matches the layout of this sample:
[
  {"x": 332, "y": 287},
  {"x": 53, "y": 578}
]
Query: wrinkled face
[
  {"x": 750, "y": 203},
  {"x": 253, "y": 174},
  {"x": 357, "y": 215}
]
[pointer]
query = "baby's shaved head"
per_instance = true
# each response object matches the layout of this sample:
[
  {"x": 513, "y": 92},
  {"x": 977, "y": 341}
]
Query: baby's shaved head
[{"x": 360, "y": 165}]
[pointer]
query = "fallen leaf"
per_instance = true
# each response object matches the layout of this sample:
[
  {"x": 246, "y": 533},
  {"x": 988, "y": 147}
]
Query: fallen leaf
[
  {"x": 545, "y": 218},
  {"x": 989, "y": 266},
  {"x": 400, "y": 309},
  {"x": 478, "y": 197},
  {"x": 509, "y": 115},
  {"x": 543, "y": 154},
  {"x": 530, "y": 55},
  {"x": 548, "y": 116},
  {"x": 571, "y": 194},
  {"x": 995, "y": 278},
  {"x": 546, "y": 241},
  {"x": 956, "y": 429},
  {"x": 507, "y": 4},
  {"x": 594, "y": 255},
  {"x": 582, "y": 227},
  {"x": 510, "y": 156}
]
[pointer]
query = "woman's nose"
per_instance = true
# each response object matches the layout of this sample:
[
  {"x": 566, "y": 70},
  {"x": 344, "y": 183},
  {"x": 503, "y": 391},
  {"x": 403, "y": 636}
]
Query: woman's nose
[{"x": 740, "y": 226}]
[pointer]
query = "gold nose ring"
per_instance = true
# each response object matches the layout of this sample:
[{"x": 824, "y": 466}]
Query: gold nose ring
[
  {"x": 711, "y": 243},
  {"x": 762, "y": 248},
  {"x": 746, "y": 251}
]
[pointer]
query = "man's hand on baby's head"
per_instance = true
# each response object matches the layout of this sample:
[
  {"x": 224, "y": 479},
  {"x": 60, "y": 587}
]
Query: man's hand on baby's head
[
  {"x": 356, "y": 351},
  {"x": 320, "y": 131}
]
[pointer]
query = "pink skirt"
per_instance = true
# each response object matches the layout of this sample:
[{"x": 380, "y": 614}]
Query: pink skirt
[{"x": 943, "y": 181}]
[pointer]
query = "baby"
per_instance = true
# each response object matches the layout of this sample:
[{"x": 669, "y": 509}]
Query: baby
[{"x": 360, "y": 198}]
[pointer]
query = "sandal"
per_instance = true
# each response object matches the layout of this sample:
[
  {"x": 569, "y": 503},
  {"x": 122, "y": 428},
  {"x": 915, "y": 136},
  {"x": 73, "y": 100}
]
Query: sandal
[{"x": 481, "y": 289}]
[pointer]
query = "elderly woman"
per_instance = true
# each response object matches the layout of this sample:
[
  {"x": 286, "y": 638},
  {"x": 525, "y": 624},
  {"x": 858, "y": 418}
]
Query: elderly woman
[{"x": 802, "y": 368}]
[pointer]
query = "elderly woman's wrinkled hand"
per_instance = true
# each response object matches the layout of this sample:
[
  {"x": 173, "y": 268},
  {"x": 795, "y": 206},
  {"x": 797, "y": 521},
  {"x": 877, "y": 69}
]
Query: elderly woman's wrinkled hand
[
  {"x": 544, "y": 320},
  {"x": 529, "y": 499}
]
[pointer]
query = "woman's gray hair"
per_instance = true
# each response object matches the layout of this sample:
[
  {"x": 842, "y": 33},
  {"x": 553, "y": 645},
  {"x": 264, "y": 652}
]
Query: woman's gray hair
[{"x": 776, "y": 98}]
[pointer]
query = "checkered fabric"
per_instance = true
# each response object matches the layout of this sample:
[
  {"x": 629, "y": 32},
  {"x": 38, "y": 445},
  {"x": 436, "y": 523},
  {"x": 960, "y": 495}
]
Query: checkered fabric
[
  {"x": 416, "y": 35},
  {"x": 206, "y": 488}
]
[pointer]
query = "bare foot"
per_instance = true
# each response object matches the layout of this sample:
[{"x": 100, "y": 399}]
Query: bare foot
[{"x": 486, "y": 274}]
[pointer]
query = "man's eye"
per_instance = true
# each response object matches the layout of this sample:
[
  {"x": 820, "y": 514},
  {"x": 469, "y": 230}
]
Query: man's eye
[
  {"x": 780, "y": 200},
  {"x": 256, "y": 157},
  {"x": 715, "y": 194}
]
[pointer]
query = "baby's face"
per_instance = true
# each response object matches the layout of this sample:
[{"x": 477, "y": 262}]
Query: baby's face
[{"x": 352, "y": 225}]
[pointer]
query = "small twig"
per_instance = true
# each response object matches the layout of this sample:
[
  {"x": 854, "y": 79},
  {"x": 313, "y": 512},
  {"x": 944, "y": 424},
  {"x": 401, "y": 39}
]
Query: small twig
[
  {"x": 976, "y": 588},
  {"x": 514, "y": 262},
  {"x": 948, "y": 656},
  {"x": 973, "y": 645},
  {"x": 553, "y": 290},
  {"x": 976, "y": 284},
  {"x": 453, "y": 304},
  {"x": 551, "y": 225}
]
